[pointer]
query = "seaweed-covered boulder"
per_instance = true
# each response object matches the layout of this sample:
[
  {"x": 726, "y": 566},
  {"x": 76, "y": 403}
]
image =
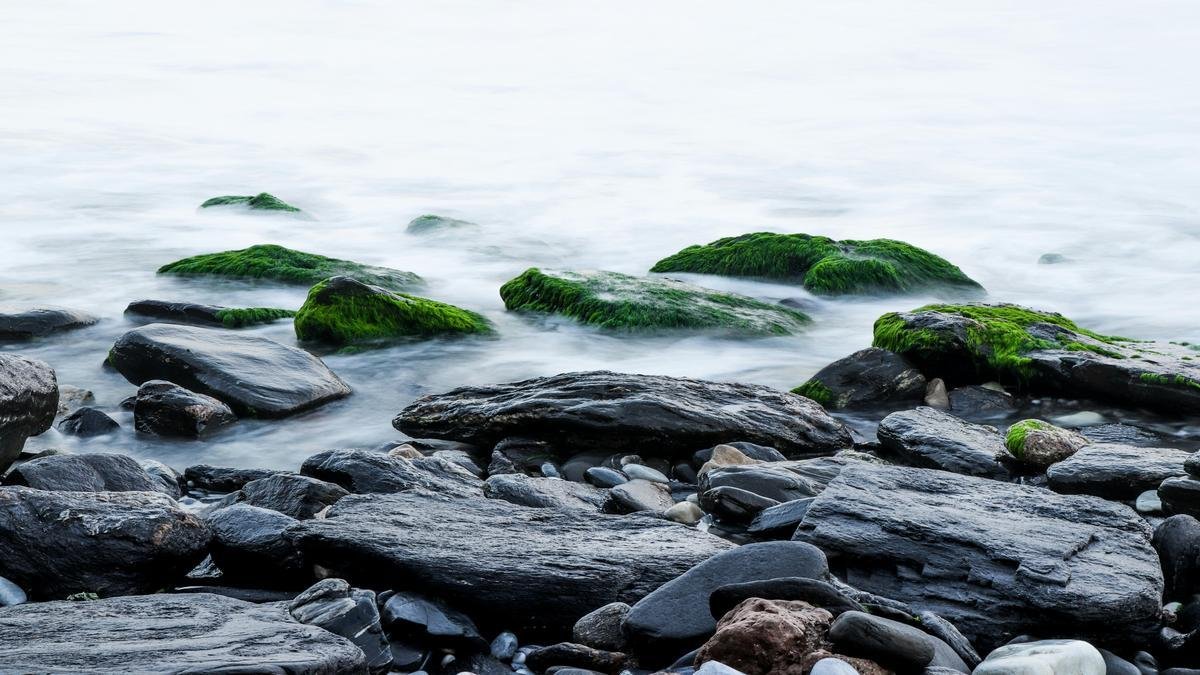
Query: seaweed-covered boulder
[
  {"x": 206, "y": 315},
  {"x": 867, "y": 377},
  {"x": 615, "y": 411},
  {"x": 1042, "y": 352},
  {"x": 28, "y": 403},
  {"x": 255, "y": 376},
  {"x": 30, "y": 323},
  {"x": 55, "y": 544},
  {"x": 622, "y": 302},
  {"x": 823, "y": 265},
  {"x": 259, "y": 202},
  {"x": 1041, "y": 444},
  {"x": 288, "y": 266},
  {"x": 343, "y": 311},
  {"x": 995, "y": 559},
  {"x": 168, "y": 633},
  {"x": 433, "y": 224}
]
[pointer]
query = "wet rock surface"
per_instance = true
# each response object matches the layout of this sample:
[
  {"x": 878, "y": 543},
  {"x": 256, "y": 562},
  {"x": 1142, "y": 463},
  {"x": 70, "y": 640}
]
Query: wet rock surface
[
  {"x": 30, "y": 323},
  {"x": 938, "y": 440},
  {"x": 1116, "y": 471},
  {"x": 28, "y": 403},
  {"x": 367, "y": 471},
  {"x": 98, "y": 472},
  {"x": 167, "y": 409},
  {"x": 868, "y": 377}
]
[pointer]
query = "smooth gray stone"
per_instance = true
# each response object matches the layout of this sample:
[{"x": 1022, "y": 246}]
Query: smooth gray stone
[
  {"x": 90, "y": 472},
  {"x": 601, "y": 628},
  {"x": 765, "y": 480},
  {"x": 933, "y": 439},
  {"x": 1180, "y": 495},
  {"x": 639, "y": 495},
  {"x": 544, "y": 493},
  {"x": 813, "y": 591},
  {"x": 30, "y": 323},
  {"x": 636, "y": 471},
  {"x": 167, "y": 632},
  {"x": 993, "y": 558},
  {"x": 1177, "y": 540},
  {"x": 832, "y": 666},
  {"x": 1115, "y": 471},
  {"x": 890, "y": 643},
  {"x": 604, "y": 477}
]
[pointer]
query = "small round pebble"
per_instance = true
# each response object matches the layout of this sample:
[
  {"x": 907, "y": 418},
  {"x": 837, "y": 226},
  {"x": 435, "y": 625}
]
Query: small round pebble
[
  {"x": 504, "y": 646},
  {"x": 645, "y": 473},
  {"x": 684, "y": 512},
  {"x": 830, "y": 666}
]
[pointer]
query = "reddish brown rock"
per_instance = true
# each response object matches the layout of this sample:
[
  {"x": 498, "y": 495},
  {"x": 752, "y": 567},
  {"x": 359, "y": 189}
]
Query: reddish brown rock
[{"x": 768, "y": 636}]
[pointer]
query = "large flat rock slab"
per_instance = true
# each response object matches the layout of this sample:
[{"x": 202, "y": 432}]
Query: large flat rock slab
[
  {"x": 255, "y": 376},
  {"x": 168, "y": 633},
  {"x": 996, "y": 559},
  {"x": 650, "y": 413},
  {"x": 522, "y": 566},
  {"x": 1115, "y": 471}
]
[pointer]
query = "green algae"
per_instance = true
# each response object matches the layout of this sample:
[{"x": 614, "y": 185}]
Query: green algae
[
  {"x": 259, "y": 202},
  {"x": 433, "y": 224},
  {"x": 1014, "y": 440},
  {"x": 821, "y": 264},
  {"x": 250, "y": 316},
  {"x": 817, "y": 391},
  {"x": 276, "y": 263},
  {"x": 625, "y": 303},
  {"x": 343, "y": 311}
]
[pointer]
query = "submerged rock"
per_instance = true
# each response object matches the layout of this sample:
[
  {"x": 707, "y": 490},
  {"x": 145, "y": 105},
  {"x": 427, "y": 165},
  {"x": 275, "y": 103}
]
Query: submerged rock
[
  {"x": 31, "y": 323},
  {"x": 109, "y": 543},
  {"x": 652, "y": 414},
  {"x": 867, "y": 377},
  {"x": 994, "y": 558},
  {"x": 92, "y": 472},
  {"x": 284, "y": 265},
  {"x": 519, "y": 566},
  {"x": 1115, "y": 471},
  {"x": 431, "y": 224},
  {"x": 344, "y": 311},
  {"x": 1043, "y": 352},
  {"x": 28, "y": 403},
  {"x": 255, "y": 376},
  {"x": 622, "y": 302},
  {"x": 168, "y": 632},
  {"x": 259, "y": 202},
  {"x": 167, "y": 409},
  {"x": 206, "y": 315},
  {"x": 934, "y": 439},
  {"x": 823, "y": 265},
  {"x": 87, "y": 422}
]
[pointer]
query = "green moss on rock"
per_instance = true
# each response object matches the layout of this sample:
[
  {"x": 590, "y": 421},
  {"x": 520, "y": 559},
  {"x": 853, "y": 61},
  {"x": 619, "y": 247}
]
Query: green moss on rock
[
  {"x": 249, "y": 316},
  {"x": 622, "y": 302},
  {"x": 821, "y": 264},
  {"x": 344, "y": 311},
  {"x": 259, "y": 202},
  {"x": 431, "y": 224},
  {"x": 1014, "y": 440},
  {"x": 289, "y": 266},
  {"x": 817, "y": 391}
]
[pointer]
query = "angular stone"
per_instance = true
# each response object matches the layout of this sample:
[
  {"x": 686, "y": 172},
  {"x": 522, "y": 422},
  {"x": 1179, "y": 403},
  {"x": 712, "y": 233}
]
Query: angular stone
[
  {"x": 87, "y": 422},
  {"x": 1115, "y": 471},
  {"x": 249, "y": 547},
  {"x": 938, "y": 440},
  {"x": 543, "y": 492},
  {"x": 367, "y": 471},
  {"x": 616, "y": 411},
  {"x": 348, "y": 612},
  {"x": 28, "y": 403},
  {"x": 300, "y": 497},
  {"x": 868, "y": 377},
  {"x": 167, "y": 409},
  {"x": 781, "y": 519},
  {"x": 220, "y": 478},
  {"x": 732, "y": 504},
  {"x": 994, "y": 558},
  {"x": 168, "y": 632},
  {"x": 426, "y": 620}
]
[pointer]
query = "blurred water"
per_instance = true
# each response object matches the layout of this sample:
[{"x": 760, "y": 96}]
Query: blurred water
[{"x": 593, "y": 135}]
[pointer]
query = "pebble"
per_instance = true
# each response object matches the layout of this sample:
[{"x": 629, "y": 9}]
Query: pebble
[
  {"x": 549, "y": 470},
  {"x": 685, "y": 512},
  {"x": 829, "y": 666},
  {"x": 1148, "y": 502},
  {"x": 11, "y": 594},
  {"x": 717, "y": 668},
  {"x": 936, "y": 395},
  {"x": 1085, "y": 418},
  {"x": 504, "y": 646},
  {"x": 644, "y": 472},
  {"x": 604, "y": 477}
]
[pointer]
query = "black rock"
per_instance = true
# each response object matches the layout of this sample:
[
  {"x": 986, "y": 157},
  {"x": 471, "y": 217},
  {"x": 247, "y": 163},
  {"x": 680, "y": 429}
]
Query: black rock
[
  {"x": 1180, "y": 495},
  {"x": 430, "y": 621},
  {"x": 166, "y": 409},
  {"x": 527, "y": 454},
  {"x": 614, "y": 411},
  {"x": 889, "y": 643},
  {"x": 575, "y": 656},
  {"x": 949, "y": 633},
  {"x": 978, "y": 402},
  {"x": 1115, "y": 471},
  {"x": 519, "y": 566},
  {"x": 54, "y": 544},
  {"x": 300, "y": 497},
  {"x": 255, "y": 376},
  {"x": 168, "y": 632},
  {"x": 203, "y": 315},
  {"x": 734, "y": 504},
  {"x": 938, "y": 440},
  {"x": 22, "y": 325},
  {"x": 604, "y": 477},
  {"x": 751, "y": 450},
  {"x": 97, "y": 472},
  {"x": 88, "y": 422},
  {"x": 639, "y": 495},
  {"x": 348, "y": 612},
  {"x": 1177, "y": 540},
  {"x": 28, "y": 403},
  {"x": 676, "y": 617},
  {"x": 1115, "y": 665},
  {"x": 463, "y": 459},
  {"x": 815, "y": 592},
  {"x": 543, "y": 492},
  {"x": 601, "y": 628},
  {"x": 781, "y": 519},
  {"x": 868, "y": 377},
  {"x": 772, "y": 481},
  {"x": 249, "y": 547},
  {"x": 367, "y": 471},
  {"x": 222, "y": 479},
  {"x": 255, "y": 595},
  {"x": 996, "y": 559}
]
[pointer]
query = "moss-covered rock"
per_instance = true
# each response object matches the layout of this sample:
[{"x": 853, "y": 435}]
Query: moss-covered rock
[
  {"x": 206, "y": 315},
  {"x": 1041, "y": 352},
  {"x": 623, "y": 302},
  {"x": 344, "y": 311},
  {"x": 823, "y": 265},
  {"x": 1040, "y": 444},
  {"x": 431, "y": 224},
  {"x": 289, "y": 266},
  {"x": 259, "y": 202}
]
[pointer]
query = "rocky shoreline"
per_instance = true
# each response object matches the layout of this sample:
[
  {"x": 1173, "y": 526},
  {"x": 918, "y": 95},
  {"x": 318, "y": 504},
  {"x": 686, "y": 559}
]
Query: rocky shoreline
[{"x": 603, "y": 522}]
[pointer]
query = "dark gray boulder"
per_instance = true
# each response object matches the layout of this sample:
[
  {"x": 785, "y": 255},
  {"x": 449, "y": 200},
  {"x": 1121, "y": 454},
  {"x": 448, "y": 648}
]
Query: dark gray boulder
[
  {"x": 520, "y": 566},
  {"x": 348, "y": 612},
  {"x": 1180, "y": 495},
  {"x": 249, "y": 547},
  {"x": 222, "y": 478},
  {"x": 891, "y": 643},
  {"x": 169, "y": 633},
  {"x": 54, "y": 544},
  {"x": 730, "y": 504},
  {"x": 87, "y": 422},
  {"x": 167, "y": 409},
  {"x": 616, "y": 411},
  {"x": 1177, "y": 540},
  {"x": 868, "y": 377},
  {"x": 28, "y": 403},
  {"x": 300, "y": 497},
  {"x": 933, "y": 439},
  {"x": 979, "y": 402},
  {"x": 1115, "y": 471},
  {"x": 423, "y": 620},
  {"x": 994, "y": 558},
  {"x": 30, "y": 323},
  {"x": 367, "y": 471},
  {"x": 255, "y": 376},
  {"x": 676, "y": 617},
  {"x": 544, "y": 492},
  {"x": 93, "y": 472}
]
